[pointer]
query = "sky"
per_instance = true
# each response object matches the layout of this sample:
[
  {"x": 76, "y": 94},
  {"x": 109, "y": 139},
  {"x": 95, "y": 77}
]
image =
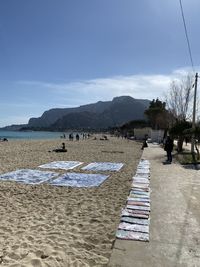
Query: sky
[{"x": 67, "y": 53}]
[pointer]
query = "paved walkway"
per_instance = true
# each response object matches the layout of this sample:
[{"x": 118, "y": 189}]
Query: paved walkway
[{"x": 175, "y": 219}]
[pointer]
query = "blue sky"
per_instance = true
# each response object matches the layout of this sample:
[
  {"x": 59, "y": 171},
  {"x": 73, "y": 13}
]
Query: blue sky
[{"x": 64, "y": 53}]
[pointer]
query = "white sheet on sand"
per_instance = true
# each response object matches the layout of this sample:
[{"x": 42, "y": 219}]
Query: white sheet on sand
[
  {"x": 135, "y": 220},
  {"x": 79, "y": 180},
  {"x": 139, "y": 193},
  {"x": 65, "y": 165},
  {"x": 142, "y": 170},
  {"x": 134, "y": 227},
  {"x": 134, "y": 214},
  {"x": 139, "y": 185},
  {"x": 136, "y": 207},
  {"x": 143, "y": 165},
  {"x": 144, "y": 162},
  {"x": 142, "y": 175},
  {"x": 140, "y": 180},
  {"x": 139, "y": 199},
  {"x": 28, "y": 176},
  {"x": 103, "y": 166},
  {"x": 131, "y": 235}
]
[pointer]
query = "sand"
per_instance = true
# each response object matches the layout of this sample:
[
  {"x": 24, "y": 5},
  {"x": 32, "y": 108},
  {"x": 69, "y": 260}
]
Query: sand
[{"x": 43, "y": 225}]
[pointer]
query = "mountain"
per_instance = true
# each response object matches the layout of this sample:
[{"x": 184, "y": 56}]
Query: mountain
[
  {"x": 51, "y": 116},
  {"x": 100, "y": 115}
]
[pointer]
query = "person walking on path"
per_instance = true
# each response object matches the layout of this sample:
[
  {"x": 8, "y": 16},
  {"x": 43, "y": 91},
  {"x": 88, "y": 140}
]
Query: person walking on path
[
  {"x": 144, "y": 144},
  {"x": 168, "y": 148}
]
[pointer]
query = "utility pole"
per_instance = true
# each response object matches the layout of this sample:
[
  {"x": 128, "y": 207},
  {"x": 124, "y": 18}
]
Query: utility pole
[{"x": 194, "y": 113}]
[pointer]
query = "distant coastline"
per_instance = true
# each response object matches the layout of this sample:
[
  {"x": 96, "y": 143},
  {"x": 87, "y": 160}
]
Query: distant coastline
[{"x": 31, "y": 135}]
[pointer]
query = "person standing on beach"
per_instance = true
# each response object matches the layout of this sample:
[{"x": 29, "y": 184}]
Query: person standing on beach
[{"x": 168, "y": 148}]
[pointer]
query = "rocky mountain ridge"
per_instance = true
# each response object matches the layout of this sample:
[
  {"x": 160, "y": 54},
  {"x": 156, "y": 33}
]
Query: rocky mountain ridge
[
  {"x": 98, "y": 115},
  {"x": 95, "y": 116}
]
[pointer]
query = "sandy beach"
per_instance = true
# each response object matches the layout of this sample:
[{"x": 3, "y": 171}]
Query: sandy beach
[{"x": 49, "y": 226}]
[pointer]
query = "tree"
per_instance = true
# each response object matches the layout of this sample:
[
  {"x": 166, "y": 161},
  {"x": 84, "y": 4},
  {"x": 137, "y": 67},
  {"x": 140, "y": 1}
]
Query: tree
[
  {"x": 157, "y": 114},
  {"x": 178, "y": 103},
  {"x": 196, "y": 133},
  {"x": 179, "y": 98}
]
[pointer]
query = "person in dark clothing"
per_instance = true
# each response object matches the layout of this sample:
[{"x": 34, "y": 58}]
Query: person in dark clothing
[
  {"x": 186, "y": 140},
  {"x": 144, "y": 144},
  {"x": 3, "y": 140},
  {"x": 62, "y": 149},
  {"x": 168, "y": 148}
]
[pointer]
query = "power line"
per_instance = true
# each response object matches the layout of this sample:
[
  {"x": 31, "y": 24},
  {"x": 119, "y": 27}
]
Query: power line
[{"x": 186, "y": 35}]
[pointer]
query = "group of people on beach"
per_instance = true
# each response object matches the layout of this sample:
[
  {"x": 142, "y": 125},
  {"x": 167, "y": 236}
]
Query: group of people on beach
[
  {"x": 77, "y": 136},
  {"x": 71, "y": 138}
]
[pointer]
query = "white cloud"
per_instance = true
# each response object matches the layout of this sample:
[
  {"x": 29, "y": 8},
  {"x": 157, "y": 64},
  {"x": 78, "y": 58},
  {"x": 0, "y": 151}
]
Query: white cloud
[
  {"x": 88, "y": 91},
  {"x": 137, "y": 86},
  {"x": 73, "y": 94}
]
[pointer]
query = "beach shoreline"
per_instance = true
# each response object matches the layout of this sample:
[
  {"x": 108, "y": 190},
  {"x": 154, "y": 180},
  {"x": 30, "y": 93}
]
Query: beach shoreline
[{"x": 44, "y": 225}]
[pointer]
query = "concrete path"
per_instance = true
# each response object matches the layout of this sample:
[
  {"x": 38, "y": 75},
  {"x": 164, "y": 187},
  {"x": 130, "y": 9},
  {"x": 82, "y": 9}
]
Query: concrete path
[{"x": 175, "y": 219}]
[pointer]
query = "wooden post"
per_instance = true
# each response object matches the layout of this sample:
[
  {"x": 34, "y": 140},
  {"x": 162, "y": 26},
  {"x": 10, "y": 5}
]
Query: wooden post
[{"x": 194, "y": 113}]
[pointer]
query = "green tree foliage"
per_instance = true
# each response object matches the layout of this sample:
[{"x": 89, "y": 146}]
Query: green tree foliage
[
  {"x": 157, "y": 114},
  {"x": 178, "y": 132},
  {"x": 179, "y": 128},
  {"x": 134, "y": 124}
]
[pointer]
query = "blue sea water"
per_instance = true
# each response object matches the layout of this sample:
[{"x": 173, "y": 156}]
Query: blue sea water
[{"x": 30, "y": 135}]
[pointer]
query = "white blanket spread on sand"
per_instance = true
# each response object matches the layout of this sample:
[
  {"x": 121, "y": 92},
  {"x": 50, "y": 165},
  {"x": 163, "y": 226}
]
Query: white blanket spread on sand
[
  {"x": 79, "y": 180},
  {"x": 65, "y": 165},
  {"x": 28, "y": 176},
  {"x": 103, "y": 166}
]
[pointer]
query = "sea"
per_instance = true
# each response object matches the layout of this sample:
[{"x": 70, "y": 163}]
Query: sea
[{"x": 31, "y": 135}]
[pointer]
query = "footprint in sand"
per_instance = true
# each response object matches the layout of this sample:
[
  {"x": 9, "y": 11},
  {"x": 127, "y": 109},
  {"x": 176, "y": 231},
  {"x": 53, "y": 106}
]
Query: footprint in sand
[
  {"x": 30, "y": 238},
  {"x": 36, "y": 263}
]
